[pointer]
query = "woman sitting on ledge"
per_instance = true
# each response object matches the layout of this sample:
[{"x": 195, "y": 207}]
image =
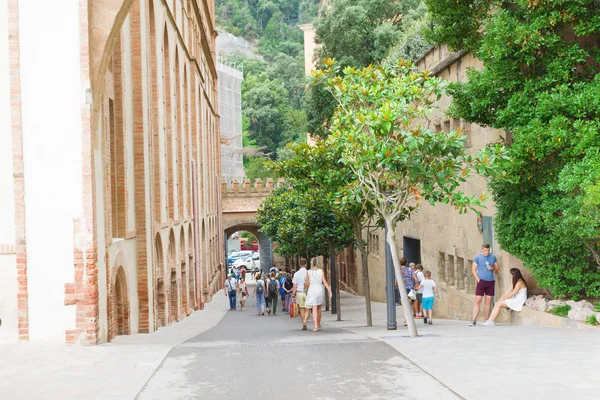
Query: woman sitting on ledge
[{"x": 513, "y": 299}]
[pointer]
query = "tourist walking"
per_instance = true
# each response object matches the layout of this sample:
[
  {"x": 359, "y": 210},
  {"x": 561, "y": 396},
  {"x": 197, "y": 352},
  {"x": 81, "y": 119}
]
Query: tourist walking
[
  {"x": 410, "y": 281},
  {"x": 316, "y": 295},
  {"x": 230, "y": 288},
  {"x": 273, "y": 290},
  {"x": 485, "y": 264},
  {"x": 282, "y": 279},
  {"x": 253, "y": 269},
  {"x": 288, "y": 285},
  {"x": 429, "y": 288},
  {"x": 513, "y": 299},
  {"x": 259, "y": 292},
  {"x": 242, "y": 292},
  {"x": 419, "y": 302},
  {"x": 298, "y": 291}
]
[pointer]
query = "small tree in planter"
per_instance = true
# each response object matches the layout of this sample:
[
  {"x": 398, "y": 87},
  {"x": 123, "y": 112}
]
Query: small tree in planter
[{"x": 382, "y": 130}]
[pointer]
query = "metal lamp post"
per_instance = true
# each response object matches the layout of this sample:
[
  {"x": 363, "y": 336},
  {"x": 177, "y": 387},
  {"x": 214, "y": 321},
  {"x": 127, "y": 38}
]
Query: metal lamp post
[{"x": 390, "y": 286}]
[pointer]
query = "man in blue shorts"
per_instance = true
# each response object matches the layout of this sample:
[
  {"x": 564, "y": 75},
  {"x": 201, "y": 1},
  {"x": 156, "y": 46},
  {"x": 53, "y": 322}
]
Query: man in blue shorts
[{"x": 485, "y": 264}]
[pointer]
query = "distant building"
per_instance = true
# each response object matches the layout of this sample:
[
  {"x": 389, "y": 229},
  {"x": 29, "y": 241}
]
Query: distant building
[{"x": 230, "y": 111}]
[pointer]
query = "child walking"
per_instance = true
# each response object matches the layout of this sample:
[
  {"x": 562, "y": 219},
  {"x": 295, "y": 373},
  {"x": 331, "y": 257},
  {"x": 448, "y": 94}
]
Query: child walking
[{"x": 429, "y": 289}]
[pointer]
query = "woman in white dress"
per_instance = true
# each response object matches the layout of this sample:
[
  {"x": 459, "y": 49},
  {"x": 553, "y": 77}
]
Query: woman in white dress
[
  {"x": 513, "y": 299},
  {"x": 316, "y": 281}
]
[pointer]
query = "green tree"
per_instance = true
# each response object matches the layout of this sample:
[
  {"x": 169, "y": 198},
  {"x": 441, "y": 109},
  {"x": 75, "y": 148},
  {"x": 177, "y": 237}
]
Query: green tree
[
  {"x": 540, "y": 82},
  {"x": 318, "y": 166},
  {"x": 302, "y": 223},
  {"x": 370, "y": 28},
  {"x": 398, "y": 161}
]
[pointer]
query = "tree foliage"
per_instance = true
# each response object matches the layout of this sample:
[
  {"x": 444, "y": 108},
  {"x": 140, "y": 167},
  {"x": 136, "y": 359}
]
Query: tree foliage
[
  {"x": 381, "y": 128},
  {"x": 539, "y": 82},
  {"x": 356, "y": 33},
  {"x": 273, "y": 90},
  {"x": 302, "y": 223}
]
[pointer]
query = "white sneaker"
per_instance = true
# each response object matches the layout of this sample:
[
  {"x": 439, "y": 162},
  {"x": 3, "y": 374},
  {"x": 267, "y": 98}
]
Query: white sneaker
[{"x": 489, "y": 323}]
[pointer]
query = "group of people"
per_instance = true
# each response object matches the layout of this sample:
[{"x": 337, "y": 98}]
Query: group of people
[
  {"x": 306, "y": 288},
  {"x": 421, "y": 289}
]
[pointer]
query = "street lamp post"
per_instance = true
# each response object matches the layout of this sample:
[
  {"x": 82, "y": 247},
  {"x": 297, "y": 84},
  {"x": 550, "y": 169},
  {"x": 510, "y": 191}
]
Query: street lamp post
[{"x": 390, "y": 286}]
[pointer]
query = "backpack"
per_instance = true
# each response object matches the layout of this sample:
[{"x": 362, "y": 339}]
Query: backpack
[
  {"x": 272, "y": 287},
  {"x": 288, "y": 284},
  {"x": 260, "y": 289},
  {"x": 281, "y": 282}
]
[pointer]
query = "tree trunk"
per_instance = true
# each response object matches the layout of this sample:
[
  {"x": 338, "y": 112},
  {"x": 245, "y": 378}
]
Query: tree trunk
[
  {"x": 364, "y": 257},
  {"x": 325, "y": 263},
  {"x": 391, "y": 240},
  {"x": 337, "y": 287}
]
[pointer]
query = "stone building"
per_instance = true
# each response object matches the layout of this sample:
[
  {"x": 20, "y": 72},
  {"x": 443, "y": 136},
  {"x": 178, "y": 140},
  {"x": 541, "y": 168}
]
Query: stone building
[{"x": 110, "y": 167}]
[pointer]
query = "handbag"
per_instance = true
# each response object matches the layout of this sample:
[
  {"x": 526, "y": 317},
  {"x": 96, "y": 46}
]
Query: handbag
[
  {"x": 397, "y": 295},
  {"x": 412, "y": 294},
  {"x": 294, "y": 309}
]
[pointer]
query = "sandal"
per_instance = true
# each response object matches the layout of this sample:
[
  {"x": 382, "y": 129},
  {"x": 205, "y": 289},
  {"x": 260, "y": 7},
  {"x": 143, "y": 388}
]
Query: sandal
[{"x": 430, "y": 322}]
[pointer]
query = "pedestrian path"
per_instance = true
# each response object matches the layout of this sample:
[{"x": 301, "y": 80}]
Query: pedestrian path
[
  {"x": 501, "y": 362},
  {"x": 214, "y": 345},
  {"x": 247, "y": 356},
  {"x": 112, "y": 371}
]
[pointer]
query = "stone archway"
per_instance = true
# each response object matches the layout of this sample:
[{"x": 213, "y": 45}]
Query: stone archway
[
  {"x": 191, "y": 268},
  {"x": 183, "y": 265},
  {"x": 264, "y": 243},
  {"x": 173, "y": 292},
  {"x": 123, "y": 325},
  {"x": 119, "y": 300},
  {"x": 160, "y": 283}
]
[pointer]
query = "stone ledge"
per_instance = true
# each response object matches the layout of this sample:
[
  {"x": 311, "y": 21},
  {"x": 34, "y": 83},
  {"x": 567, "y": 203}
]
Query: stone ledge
[{"x": 531, "y": 317}]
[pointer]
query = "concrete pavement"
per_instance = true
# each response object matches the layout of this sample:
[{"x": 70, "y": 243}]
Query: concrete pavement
[
  {"x": 112, "y": 371},
  {"x": 475, "y": 362},
  {"x": 270, "y": 357}
]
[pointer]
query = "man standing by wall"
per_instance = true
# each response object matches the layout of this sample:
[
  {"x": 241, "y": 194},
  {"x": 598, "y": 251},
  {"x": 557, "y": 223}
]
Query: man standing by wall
[
  {"x": 298, "y": 292},
  {"x": 485, "y": 264}
]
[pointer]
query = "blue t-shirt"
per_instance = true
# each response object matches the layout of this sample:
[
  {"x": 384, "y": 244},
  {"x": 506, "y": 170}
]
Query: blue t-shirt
[{"x": 482, "y": 264}]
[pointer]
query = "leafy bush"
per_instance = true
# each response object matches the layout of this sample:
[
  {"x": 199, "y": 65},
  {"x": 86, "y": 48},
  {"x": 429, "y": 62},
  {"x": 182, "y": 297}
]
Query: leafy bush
[
  {"x": 597, "y": 307},
  {"x": 592, "y": 320},
  {"x": 540, "y": 82},
  {"x": 561, "y": 311}
]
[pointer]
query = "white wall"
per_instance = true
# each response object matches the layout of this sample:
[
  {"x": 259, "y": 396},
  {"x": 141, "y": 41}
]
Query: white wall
[
  {"x": 8, "y": 272},
  {"x": 52, "y": 100}
]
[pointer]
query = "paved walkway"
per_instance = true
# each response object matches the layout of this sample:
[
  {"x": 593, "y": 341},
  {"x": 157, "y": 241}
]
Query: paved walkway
[
  {"x": 113, "y": 371},
  {"x": 247, "y": 356},
  {"x": 492, "y": 363}
]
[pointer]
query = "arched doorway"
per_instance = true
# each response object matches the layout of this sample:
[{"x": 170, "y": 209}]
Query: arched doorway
[
  {"x": 123, "y": 326},
  {"x": 173, "y": 292},
  {"x": 264, "y": 243},
  {"x": 191, "y": 268},
  {"x": 183, "y": 266},
  {"x": 160, "y": 283}
]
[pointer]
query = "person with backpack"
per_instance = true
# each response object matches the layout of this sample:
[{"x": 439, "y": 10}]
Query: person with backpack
[
  {"x": 272, "y": 290},
  {"x": 259, "y": 292},
  {"x": 287, "y": 288},
  {"x": 282, "y": 279}
]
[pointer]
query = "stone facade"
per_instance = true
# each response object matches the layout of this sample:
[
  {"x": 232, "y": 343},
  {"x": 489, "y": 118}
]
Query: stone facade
[{"x": 113, "y": 181}]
